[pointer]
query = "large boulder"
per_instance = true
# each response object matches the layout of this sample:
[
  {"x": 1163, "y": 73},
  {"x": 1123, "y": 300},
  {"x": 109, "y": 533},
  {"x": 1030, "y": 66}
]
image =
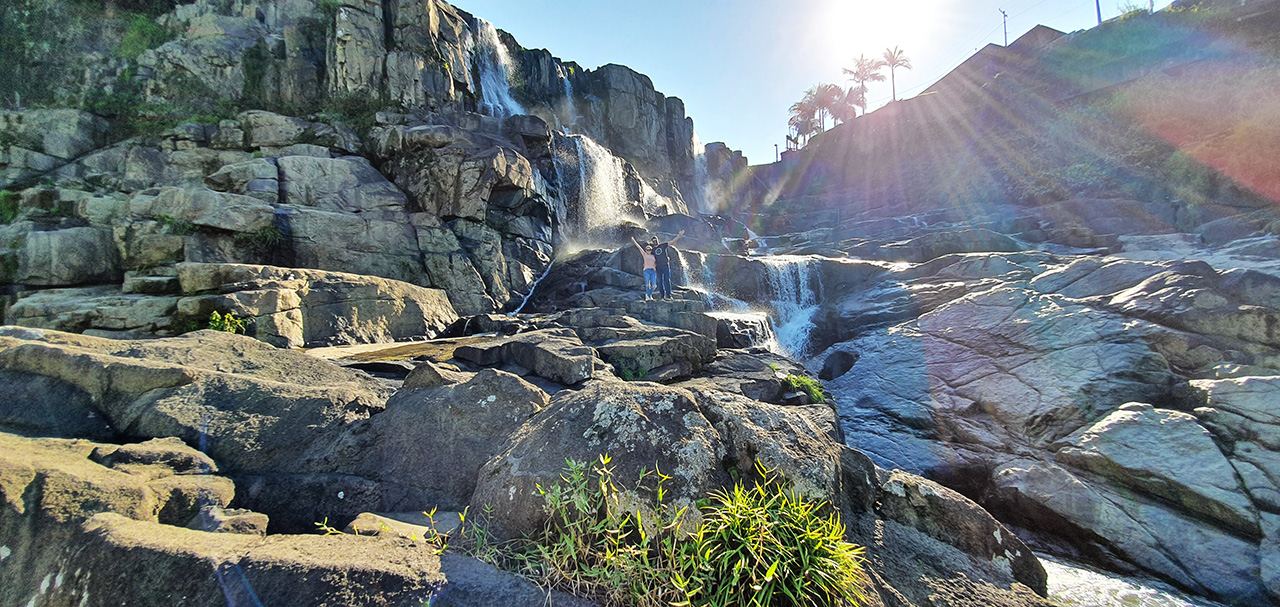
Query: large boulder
[
  {"x": 74, "y": 256},
  {"x": 692, "y": 438},
  {"x": 428, "y": 446},
  {"x": 204, "y": 208},
  {"x": 349, "y": 184},
  {"x": 950, "y": 517},
  {"x": 250, "y": 406},
  {"x": 1112, "y": 522},
  {"x": 554, "y": 354},
  {"x": 295, "y": 307},
  {"x": 1132, "y": 446}
]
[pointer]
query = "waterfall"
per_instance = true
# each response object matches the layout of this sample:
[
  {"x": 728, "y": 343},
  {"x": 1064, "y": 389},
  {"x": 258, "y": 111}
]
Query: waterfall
[
  {"x": 602, "y": 187},
  {"x": 793, "y": 300},
  {"x": 701, "y": 180},
  {"x": 533, "y": 287},
  {"x": 494, "y": 67},
  {"x": 572, "y": 118}
]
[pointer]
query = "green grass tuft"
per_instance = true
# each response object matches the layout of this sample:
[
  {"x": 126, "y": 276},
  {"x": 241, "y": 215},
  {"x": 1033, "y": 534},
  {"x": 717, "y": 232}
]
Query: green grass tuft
[
  {"x": 142, "y": 34},
  {"x": 228, "y": 322},
  {"x": 806, "y": 384}
]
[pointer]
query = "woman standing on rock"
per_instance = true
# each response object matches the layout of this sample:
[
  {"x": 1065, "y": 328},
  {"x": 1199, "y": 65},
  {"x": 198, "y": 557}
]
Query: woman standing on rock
[
  {"x": 650, "y": 268},
  {"x": 663, "y": 263}
]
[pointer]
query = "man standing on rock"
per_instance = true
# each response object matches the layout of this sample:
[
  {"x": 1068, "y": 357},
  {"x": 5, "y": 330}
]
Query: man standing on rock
[{"x": 663, "y": 263}]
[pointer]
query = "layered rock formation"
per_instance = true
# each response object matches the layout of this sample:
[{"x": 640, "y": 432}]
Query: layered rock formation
[{"x": 1062, "y": 337}]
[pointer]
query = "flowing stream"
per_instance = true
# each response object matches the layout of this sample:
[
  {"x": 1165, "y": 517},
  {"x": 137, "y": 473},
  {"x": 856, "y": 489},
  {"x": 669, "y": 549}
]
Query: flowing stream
[
  {"x": 602, "y": 187},
  {"x": 1077, "y": 586},
  {"x": 794, "y": 300},
  {"x": 570, "y": 108},
  {"x": 494, "y": 67}
]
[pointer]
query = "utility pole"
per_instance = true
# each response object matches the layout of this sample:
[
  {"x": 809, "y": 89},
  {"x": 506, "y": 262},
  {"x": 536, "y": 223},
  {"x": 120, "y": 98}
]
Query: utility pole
[
  {"x": 1098, "y": 5},
  {"x": 1005, "y": 16}
]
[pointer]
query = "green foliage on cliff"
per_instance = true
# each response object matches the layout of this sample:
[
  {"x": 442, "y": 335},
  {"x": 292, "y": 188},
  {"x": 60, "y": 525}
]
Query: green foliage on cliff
[
  {"x": 758, "y": 545},
  {"x": 629, "y": 370},
  {"x": 9, "y": 207},
  {"x": 228, "y": 322},
  {"x": 268, "y": 237},
  {"x": 806, "y": 384},
  {"x": 143, "y": 33},
  {"x": 767, "y": 545}
]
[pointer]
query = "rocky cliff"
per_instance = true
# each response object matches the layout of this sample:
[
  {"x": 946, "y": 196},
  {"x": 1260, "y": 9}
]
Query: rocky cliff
[{"x": 1050, "y": 281}]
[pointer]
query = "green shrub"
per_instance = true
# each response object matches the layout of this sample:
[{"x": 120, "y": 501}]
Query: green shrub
[
  {"x": 769, "y": 546},
  {"x": 142, "y": 34},
  {"x": 228, "y": 322},
  {"x": 268, "y": 237},
  {"x": 758, "y": 547},
  {"x": 762, "y": 546},
  {"x": 593, "y": 546},
  {"x": 181, "y": 227},
  {"x": 329, "y": 8},
  {"x": 806, "y": 384},
  {"x": 9, "y": 206}
]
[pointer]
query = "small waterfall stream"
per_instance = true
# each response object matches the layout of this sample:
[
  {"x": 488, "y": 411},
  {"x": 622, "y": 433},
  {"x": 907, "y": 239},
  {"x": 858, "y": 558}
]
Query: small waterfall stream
[
  {"x": 602, "y": 187},
  {"x": 701, "y": 179},
  {"x": 570, "y": 109},
  {"x": 793, "y": 299},
  {"x": 493, "y": 66}
]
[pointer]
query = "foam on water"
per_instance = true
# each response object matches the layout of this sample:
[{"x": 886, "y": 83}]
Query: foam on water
[
  {"x": 494, "y": 67},
  {"x": 794, "y": 301},
  {"x": 1076, "y": 586}
]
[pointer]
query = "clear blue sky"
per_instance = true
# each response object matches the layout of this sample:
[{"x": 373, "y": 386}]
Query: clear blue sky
[{"x": 739, "y": 64}]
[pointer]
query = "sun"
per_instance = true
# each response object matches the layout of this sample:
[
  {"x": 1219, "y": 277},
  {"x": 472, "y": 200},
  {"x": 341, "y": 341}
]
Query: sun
[{"x": 852, "y": 27}]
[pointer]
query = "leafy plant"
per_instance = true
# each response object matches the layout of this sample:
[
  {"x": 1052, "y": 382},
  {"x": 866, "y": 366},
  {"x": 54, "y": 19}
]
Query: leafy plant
[
  {"x": 593, "y": 546},
  {"x": 267, "y": 236},
  {"x": 181, "y": 227},
  {"x": 806, "y": 384},
  {"x": 9, "y": 206},
  {"x": 228, "y": 322},
  {"x": 329, "y": 8},
  {"x": 767, "y": 545},
  {"x": 142, "y": 34}
]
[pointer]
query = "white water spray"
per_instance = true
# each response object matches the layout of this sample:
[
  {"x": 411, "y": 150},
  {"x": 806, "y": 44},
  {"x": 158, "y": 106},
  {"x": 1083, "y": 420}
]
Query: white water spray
[
  {"x": 533, "y": 287},
  {"x": 701, "y": 180},
  {"x": 794, "y": 301},
  {"x": 494, "y": 67},
  {"x": 570, "y": 108},
  {"x": 602, "y": 186}
]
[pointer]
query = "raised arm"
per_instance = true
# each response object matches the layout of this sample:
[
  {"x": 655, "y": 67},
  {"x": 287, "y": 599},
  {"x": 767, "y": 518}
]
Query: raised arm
[
  {"x": 673, "y": 240},
  {"x": 633, "y": 241}
]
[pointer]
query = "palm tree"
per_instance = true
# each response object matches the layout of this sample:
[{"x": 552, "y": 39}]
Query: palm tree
[
  {"x": 894, "y": 58},
  {"x": 805, "y": 112},
  {"x": 804, "y": 127},
  {"x": 850, "y": 101},
  {"x": 864, "y": 71},
  {"x": 827, "y": 97}
]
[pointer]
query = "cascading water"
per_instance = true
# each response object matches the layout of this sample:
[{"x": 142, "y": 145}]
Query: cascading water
[
  {"x": 1076, "y": 586},
  {"x": 493, "y": 67},
  {"x": 602, "y": 187},
  {"x": 701, "y": 180},
  {"x": 570, "y": 109},
  {"x": 794, "y": 301}
]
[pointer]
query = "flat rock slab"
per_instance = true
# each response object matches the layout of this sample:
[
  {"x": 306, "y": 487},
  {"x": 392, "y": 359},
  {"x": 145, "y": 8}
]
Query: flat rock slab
[{"x": 554, "y": 354}]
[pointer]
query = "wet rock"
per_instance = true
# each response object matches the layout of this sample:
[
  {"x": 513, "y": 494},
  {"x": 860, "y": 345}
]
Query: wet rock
[{"x": 952, "y": 518}]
